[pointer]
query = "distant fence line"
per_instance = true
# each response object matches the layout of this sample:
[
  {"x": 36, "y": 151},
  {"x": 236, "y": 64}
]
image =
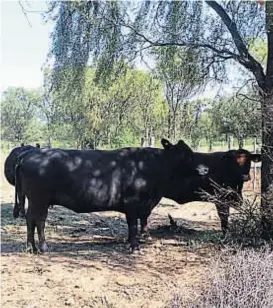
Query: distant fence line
[{"x": 255, "y": 183}]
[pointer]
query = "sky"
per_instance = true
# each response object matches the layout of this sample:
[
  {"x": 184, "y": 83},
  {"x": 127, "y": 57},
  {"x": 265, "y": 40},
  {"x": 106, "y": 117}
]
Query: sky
[{"x": 23, "y": 47}]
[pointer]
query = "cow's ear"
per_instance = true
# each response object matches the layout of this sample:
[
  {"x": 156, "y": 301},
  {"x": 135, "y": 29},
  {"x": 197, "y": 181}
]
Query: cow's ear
[
  {"x": 166, "y": 144},
  {"x": 256, "y": 157},
  {"x": 183, "y": 146}
]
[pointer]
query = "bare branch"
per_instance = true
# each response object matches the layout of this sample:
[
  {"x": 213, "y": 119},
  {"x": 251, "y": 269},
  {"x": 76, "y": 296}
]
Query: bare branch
[{"x": 25, "y": 13}]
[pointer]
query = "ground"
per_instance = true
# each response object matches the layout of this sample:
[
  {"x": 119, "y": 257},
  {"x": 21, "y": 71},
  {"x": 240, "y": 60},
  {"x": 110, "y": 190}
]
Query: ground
[{"x": 89, "y": 265}]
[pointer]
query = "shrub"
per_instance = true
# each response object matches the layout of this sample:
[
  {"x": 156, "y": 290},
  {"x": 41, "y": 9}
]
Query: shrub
[{"x": 243, "y": 279}]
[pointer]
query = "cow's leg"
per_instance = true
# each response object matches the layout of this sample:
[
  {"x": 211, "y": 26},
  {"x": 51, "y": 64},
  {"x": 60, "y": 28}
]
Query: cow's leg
[
  {"x": 40, "y": 223},
  {"x": 223, "y": 213},
  {"x": 19, "y": 208},
  {"x": 132, "y": 230},
  {"x": 22, "y": 200},
  {"x": 30, "y": 231},
  {"x": 144, "y": 231}
]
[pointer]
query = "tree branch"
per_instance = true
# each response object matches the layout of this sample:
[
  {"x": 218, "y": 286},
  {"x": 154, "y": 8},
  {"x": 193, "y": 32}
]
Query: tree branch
[
  {"x": 25, "y": 13},
  {"x": 245, "y": 57},
  {"x": 219, "y": 52}
]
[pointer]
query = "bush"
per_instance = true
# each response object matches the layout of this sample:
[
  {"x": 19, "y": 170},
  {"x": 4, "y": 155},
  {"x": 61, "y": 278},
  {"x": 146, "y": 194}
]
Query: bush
[
  {"x": 245, "y": 224},
  {"x": 244, "y": 280}
]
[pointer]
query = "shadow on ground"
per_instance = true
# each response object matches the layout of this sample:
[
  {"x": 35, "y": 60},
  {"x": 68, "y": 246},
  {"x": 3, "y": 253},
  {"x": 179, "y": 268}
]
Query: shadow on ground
[{"x": 102, "y": 237}]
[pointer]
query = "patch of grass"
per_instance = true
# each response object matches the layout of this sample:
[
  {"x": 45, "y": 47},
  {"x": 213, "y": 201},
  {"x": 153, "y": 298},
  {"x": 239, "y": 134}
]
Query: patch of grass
[{"x": 7, "y": 220}]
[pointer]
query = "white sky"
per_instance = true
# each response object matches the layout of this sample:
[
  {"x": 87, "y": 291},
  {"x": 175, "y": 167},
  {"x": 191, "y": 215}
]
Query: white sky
[{"x": 23, "y": 48}]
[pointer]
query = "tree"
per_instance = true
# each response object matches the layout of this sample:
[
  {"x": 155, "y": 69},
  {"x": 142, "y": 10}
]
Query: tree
[
  {"x": 181, "y": 73},
  {"x": 107, "y": 116},
  {"x": 150, "y": 108},
  {"x": 240, "y": 118},
  {"x": 221, "y": 32},
  {"x": 17, "y": 113}
]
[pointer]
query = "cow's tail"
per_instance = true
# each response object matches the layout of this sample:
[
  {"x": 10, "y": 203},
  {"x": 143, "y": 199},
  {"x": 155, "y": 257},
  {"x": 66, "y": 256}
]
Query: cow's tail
[{"x": 17, "y": 205}]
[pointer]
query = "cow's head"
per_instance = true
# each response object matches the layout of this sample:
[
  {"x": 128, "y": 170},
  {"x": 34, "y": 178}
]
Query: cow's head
[
  {"x": 239, "y": 162},
  {"x": 181, "y": 154}
]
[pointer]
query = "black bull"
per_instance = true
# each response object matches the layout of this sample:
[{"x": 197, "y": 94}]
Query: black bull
[
  {"x": 129, "y": 180},
  {"x": 228, "y": 169}
]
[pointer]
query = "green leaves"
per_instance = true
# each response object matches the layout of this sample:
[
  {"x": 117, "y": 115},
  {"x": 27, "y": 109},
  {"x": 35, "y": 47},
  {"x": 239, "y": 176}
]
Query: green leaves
[
  {"x": 17, "y": 113},
  {"x": 238, "y": 117}
]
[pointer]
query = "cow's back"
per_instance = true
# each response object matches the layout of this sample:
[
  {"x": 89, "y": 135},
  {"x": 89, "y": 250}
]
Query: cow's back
[
  {"x": 94, "y": 178},
  {"x": 10, "y": 162}
]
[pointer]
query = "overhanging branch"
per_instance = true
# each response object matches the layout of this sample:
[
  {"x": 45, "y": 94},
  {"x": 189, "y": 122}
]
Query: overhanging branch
[{"x": 245, "y": 57}]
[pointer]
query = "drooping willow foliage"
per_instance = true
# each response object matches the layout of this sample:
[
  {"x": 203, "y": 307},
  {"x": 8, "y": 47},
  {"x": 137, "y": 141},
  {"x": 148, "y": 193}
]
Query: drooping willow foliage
[{"x": 109, "y": 34}]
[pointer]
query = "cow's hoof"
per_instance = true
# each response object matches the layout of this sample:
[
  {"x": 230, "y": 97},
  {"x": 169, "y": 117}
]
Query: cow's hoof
[
  {"x": 31, "y": 249},
  {"x": 135, "y": 250},
  {"x": 22, "y": 214},
  {"x": 43, "y": 248},
  {"x": 145, "y": 237},
  {"x": 16, "y": 212}
]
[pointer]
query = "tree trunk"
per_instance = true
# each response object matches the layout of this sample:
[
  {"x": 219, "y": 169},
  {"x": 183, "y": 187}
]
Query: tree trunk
[
  {"x": 240, "y": 142},
  {"x": 267, "y": 131},
  {"x": 174, "y": 127},
  {"x": 267, "y": 166},
  {"x": 169, "y": 124},
  {"x": 230, "y": 142},
  {"x": 210, "y": 145}
]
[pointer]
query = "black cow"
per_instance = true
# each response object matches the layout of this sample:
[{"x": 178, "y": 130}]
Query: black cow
[
  {"x": 9, "y": 171},
  {"x": 228, "y": 169},
  {"x": 129, "y": 180}
]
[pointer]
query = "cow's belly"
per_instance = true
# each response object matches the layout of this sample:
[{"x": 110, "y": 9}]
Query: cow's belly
[{"x": 80, "y": 205}]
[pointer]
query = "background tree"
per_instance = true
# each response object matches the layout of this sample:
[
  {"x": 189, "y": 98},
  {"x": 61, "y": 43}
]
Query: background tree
[
  {"x": 240, "y": 118},
  {"x": 17, "y": 114},
  {"x": 182, "y": 77}
]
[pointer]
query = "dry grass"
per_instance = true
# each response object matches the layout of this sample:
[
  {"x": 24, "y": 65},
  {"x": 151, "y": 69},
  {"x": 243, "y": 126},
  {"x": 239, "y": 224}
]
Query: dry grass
[{"x": 236, "y": 279}]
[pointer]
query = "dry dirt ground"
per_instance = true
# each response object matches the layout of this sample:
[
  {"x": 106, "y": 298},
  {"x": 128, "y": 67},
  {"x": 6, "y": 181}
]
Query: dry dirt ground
[{"x": 88, "y": 264}]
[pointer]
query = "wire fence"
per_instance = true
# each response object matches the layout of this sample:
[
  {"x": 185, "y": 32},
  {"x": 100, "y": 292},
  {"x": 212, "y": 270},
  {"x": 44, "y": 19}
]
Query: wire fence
[{"x": 255, "y": 183}]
